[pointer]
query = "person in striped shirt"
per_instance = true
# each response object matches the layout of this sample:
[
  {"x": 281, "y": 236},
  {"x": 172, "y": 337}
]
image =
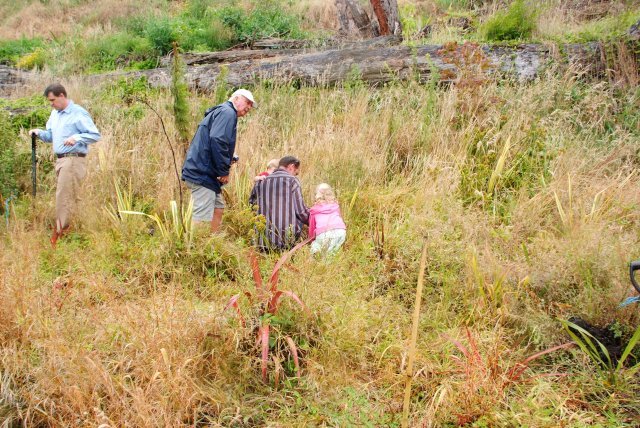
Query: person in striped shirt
[{"x": 279, "y": 199}]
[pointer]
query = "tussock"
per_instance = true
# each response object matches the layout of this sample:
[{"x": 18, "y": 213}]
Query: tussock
[{"x": 531, "y": 208}]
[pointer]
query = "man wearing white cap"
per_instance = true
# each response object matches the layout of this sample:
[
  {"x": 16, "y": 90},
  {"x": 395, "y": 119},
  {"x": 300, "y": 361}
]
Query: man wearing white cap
[{"x": 206, "y": 167}]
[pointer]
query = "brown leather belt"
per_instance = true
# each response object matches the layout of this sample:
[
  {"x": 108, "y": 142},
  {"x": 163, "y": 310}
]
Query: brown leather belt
[{"x": 71, "y": 155}]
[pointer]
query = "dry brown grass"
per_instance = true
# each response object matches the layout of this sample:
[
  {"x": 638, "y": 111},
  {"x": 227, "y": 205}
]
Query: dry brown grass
[
  {"x": 558, "y": 18},
  {"x": 317, "y": 14},
  {"x": 121, "y": 328},
  {"x": 65, "y": 17}
]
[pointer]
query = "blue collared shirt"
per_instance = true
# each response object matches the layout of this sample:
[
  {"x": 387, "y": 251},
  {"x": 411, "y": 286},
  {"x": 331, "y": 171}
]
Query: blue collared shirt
[{"x": 73, "y": 121}]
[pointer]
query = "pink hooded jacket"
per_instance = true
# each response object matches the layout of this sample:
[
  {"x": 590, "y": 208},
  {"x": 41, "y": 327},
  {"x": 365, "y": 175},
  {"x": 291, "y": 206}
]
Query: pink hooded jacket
[{"x": 324, "y": 217}]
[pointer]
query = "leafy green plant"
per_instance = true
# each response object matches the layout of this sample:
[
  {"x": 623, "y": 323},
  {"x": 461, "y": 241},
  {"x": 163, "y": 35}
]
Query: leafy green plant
[
  {"x": 118, "y": 50},
  {"x": 180, "y": 93},
  {"x": 494, "y": 172},
  {"x": 12, "y": 50},
  {"x": 162, "y": 32},
  {"x": 127, "y": 91},
  {"x": 242, "y": 220},
  {"x": 27, "y": 112},
  {"x": 354, "y": 81},
  {"x": 413, "y": 20},
  {"x": 177, "y": 226},
  {"x": 267, "y": 19},
  {"x": 610, "y": 370},
  {"x": 205, "y": 34},
  {"x": 517, "y": 22},
  {"x": 35, "y": 59},
  {"x": 268, "y": 298},
  {"x": 8, "y": 179},
  {"x": 124, "y": 202}
]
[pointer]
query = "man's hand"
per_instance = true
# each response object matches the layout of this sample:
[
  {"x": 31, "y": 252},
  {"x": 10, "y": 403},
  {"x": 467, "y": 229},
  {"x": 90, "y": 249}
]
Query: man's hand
[
  {"x": 69, "y": 141},
  {"x": 34, "y": 132},
  {"x": 223, "y": 180}
]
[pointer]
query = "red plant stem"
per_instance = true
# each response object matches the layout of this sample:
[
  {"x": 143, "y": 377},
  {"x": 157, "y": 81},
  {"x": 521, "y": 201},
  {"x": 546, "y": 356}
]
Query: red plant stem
[
  {"x": 273, "y": 280},
  {"x": 264, "y": 338},
  {"x": 255, "y": 269},
  {"x": 294, "y": 352}
]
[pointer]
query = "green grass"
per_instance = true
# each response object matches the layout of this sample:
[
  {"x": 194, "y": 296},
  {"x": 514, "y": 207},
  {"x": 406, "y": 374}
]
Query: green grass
[
  {"x": 130, "y": 302},
  {"x": 124, "y": 323},
  {"x": 516, "y": 23},
  {"x": 140, "y": 40},
  {"x": 608, "y": 28},
  {"x": 12, "y": 50}
]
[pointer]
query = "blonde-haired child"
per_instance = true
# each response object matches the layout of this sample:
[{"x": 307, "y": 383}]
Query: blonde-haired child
[
  {"x": 325, "y": 222},
  {"x": 272, "y": 165}
]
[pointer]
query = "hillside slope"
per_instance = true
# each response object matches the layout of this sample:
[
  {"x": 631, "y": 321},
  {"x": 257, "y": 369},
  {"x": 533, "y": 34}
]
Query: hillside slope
[{"x": 526, "y": 197}]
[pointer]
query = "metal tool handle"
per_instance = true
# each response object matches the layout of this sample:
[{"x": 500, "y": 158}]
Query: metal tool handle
[
  {"x": 33, "y": 164},
  {"x": 634, "y": 266}
]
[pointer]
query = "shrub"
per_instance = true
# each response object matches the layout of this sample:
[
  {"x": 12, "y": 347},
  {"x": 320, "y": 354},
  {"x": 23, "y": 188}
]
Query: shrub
[
  {"x": 516, "y": 23},
  {"x": 161, "y": 32},
  {"x": 190, "y": 32},
  {"x": 12, "y": 50},
  {"x": 35, "y": 59},
  {"x": 8, "y": 137},
  {"x": 205, "y": 34},
  {"x": 15, "y": 153},
  {"x": 232, "y": 17},
  {"x": 118, "y": 50},
  {"x": 180, "y": 93},
  {"x": 29, "y": 112},
  {"x": 124, "y": 93},
  {"x": 412, "y": 19},
  {"x": 266, "y": 20}
]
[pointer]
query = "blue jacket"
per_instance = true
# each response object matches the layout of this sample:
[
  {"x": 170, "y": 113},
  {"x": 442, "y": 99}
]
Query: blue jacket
[{"x": 212, "y": 147}]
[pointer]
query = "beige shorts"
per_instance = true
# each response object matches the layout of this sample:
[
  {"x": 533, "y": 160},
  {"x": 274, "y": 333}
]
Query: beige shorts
[{"x": 204, "y": 201}]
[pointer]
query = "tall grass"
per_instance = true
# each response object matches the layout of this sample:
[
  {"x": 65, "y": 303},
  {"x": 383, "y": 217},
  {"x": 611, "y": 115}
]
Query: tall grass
[{"x": 121, "y": 326}]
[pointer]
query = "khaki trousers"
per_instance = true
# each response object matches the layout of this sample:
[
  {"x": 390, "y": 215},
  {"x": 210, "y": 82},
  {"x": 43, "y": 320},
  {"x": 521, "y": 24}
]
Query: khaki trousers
[{"x": 69, "y": 172}]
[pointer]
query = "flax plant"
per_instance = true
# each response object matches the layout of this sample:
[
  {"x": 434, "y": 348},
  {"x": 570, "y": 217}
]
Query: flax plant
[
  {"x": 142, "y": 339},
  {"x": 178, "y": 226},
  {"x": 612, "y": 372}
]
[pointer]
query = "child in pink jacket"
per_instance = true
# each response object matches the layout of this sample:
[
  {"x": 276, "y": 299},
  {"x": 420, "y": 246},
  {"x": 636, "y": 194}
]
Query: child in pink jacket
[{"x": 325, "y": 223}]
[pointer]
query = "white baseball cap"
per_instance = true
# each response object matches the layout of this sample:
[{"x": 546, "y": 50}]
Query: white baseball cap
[{"x": 247, "y": 94}]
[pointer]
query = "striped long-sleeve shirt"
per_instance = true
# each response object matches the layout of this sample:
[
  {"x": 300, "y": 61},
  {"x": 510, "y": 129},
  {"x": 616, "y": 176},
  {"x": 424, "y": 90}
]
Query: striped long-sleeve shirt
[{"x": 279, "y": 199}]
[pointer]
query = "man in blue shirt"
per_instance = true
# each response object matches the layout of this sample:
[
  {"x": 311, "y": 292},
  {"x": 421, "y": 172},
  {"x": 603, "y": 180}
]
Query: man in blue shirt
[
  {"x": 70, "y": 129},
  {"x": 208, "y": 161}
]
